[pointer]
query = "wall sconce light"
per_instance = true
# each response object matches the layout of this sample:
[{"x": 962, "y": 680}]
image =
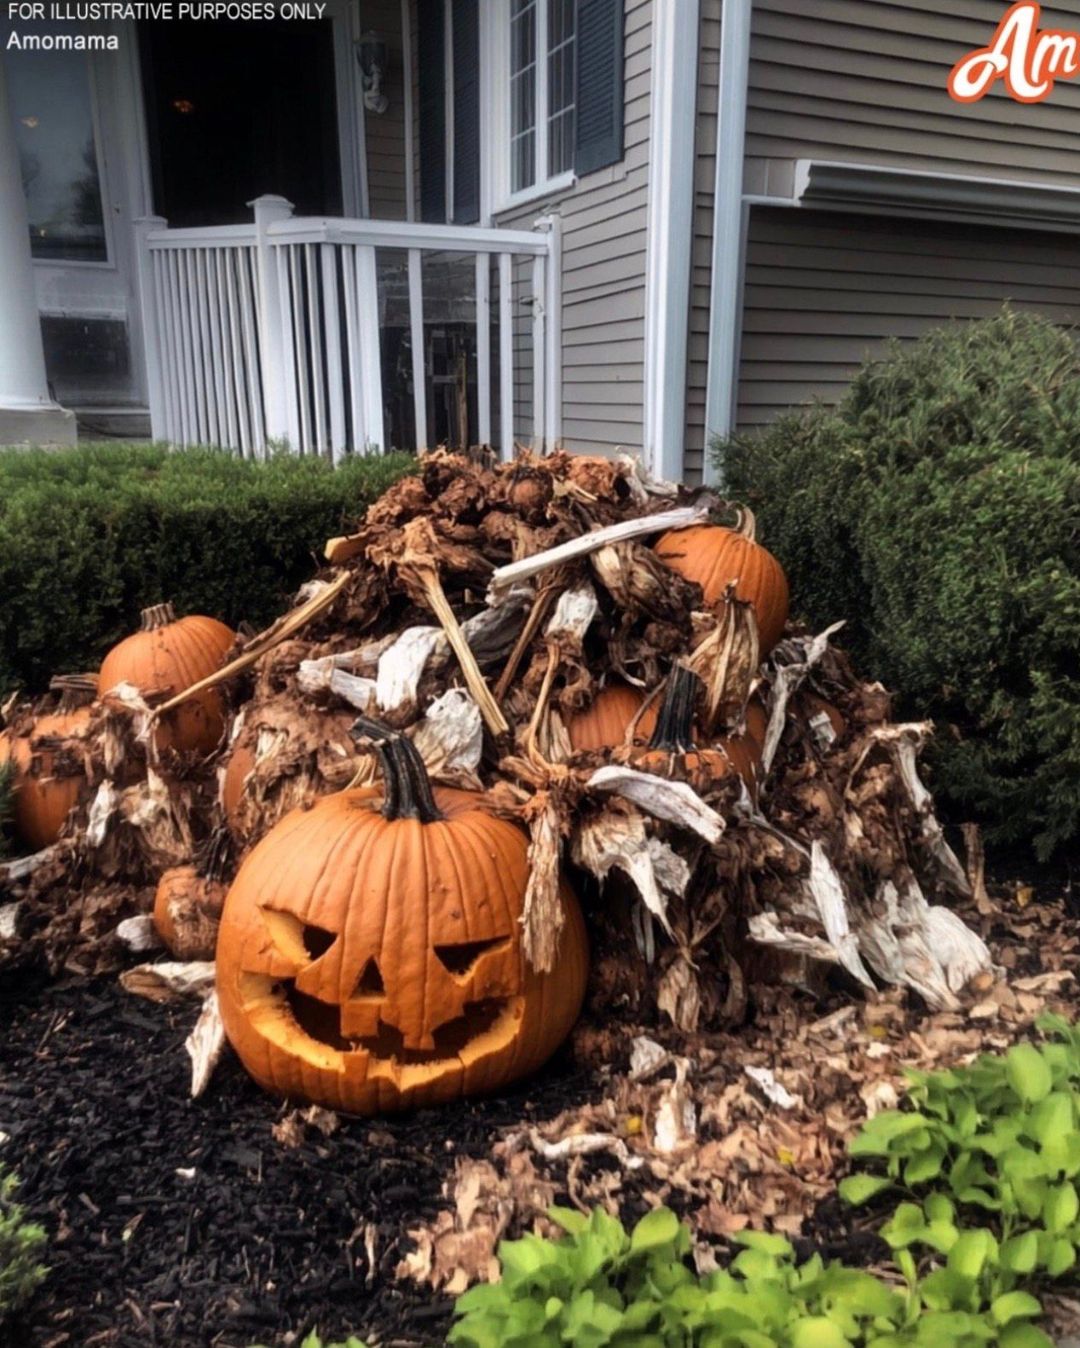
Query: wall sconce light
[{"x": 371, "y": 58}]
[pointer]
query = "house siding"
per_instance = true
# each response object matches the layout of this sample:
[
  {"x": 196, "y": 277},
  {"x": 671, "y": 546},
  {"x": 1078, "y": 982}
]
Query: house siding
[
  {"x": 603, "y": 220},
  {"x": 384, "y": 133},
  {"x": 825, "y": 290},
  {"x": 864, "y": 81}
]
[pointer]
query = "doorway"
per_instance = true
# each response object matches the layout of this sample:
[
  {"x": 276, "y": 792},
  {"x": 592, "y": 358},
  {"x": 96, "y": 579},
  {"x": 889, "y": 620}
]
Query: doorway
[{"x": 237, "y": 110}]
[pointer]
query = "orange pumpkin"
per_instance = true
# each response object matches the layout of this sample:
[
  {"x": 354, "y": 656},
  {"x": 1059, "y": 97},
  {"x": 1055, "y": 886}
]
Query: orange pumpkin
[
  {"x": 603, "y": 724},
  {"x": 673, "y": 752},
  {"x": 715, "y": 557},
  {"x": 43, "y": 797},
  {"x": 165, "y": 657},
  {"x": 186, "y": 911},
  {"x": 370, "y": 955}
]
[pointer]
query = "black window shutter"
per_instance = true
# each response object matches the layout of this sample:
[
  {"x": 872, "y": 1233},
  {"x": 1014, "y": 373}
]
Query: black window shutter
[
  {"x": 466, "y": 67},
  {"x": 431, "y": 67},
  {"x": 599, "y": 69}
]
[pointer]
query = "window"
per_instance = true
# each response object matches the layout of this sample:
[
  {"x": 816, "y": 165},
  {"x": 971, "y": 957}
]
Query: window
[
  {"x": 542, "y": 94},
  {"x": 54, "y": 132}
]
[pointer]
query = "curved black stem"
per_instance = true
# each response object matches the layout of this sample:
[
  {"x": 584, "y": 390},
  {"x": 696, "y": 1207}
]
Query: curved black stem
[
  {"x": 674, "y": 731},
  {"x": 407, "y": 787}
]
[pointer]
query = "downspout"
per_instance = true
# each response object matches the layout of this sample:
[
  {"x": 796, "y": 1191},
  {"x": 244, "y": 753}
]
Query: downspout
[
  {"x": 669, "y": 233},
  {"x": 729, "y": 229}
]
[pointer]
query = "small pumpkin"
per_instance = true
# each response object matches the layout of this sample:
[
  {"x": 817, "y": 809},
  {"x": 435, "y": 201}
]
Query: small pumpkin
[
  {"x": 187, "y": 907},
  {"x": 673, "y": 752},
  {"x": 167, "y": 656},
  {"x": 370, "y": 954},
  {"x": 47, "y": 773},
  {"x": 604, "y": 723},
  {"x": 715, "y": 557}
]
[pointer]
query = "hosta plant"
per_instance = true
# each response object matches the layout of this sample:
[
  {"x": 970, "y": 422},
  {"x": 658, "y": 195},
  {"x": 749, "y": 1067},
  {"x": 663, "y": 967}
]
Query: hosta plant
[{"x": 601, "y": 1285}]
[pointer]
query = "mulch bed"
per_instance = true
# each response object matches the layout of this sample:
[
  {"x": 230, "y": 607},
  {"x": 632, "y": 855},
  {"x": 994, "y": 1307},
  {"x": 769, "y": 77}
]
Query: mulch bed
[{"x": 260, "y": 1240}]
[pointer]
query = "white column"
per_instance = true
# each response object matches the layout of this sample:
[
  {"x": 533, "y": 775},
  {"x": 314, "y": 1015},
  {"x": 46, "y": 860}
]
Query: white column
[{"x": 27, "y": 414}]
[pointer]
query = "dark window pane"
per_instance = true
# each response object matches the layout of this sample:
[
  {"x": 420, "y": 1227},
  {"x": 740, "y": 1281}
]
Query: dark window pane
[{"x": 54, "y": 130}]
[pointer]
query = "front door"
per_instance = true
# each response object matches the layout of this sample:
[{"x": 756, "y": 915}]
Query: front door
[{"x": 73, "y": 115}]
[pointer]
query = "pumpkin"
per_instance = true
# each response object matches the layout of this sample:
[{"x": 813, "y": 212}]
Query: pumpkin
[
  {"x": 716, "y": 557},
  {"x": 370, "y": 953},
  {"x": 672, "y": 751},
  {"x": 42, "y": 796},
  {"x": 604, "y": 723},
  {"x": 186, "y": 911},
  {"x": 165, "y": 657}
]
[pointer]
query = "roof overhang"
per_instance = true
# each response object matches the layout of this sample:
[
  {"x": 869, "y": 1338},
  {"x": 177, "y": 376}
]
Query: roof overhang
[{"x": 878, "y": 190}]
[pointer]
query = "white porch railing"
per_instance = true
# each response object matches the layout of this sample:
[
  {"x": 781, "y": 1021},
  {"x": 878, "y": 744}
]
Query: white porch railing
[{"x": 269, "y": 333}]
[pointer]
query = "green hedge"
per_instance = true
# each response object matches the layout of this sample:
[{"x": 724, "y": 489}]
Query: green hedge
[
  {"x": 937, "y": 509},
  {"x": 89, "y": 536}
]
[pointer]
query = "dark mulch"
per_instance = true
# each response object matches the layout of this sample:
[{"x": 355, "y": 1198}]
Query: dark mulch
[{"x": 261, "y": 1240}]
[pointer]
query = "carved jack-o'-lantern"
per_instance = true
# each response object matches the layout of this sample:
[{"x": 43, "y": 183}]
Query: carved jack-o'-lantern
[{"x": 370, "y": 956}]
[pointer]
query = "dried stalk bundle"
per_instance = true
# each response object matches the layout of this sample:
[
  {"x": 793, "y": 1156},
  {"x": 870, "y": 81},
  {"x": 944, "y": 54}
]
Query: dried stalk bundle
[{"x": 776, "y": 825}]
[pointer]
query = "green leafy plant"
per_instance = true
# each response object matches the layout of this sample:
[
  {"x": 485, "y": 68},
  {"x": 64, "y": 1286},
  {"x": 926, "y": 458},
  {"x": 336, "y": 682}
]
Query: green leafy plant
[
  {"x": 601, "y": 1285},
  {"x": 91, "y": 535},
  {"x": 21, "y": 1247},
  {"x": 937, "y": 510},
  {"x": 991, "y": 1152}
]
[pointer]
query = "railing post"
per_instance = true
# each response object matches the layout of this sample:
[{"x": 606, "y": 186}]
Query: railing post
[
  {"x": 552, "y": 226},
  {"x": 276, "y": 359},
  {"x": 153, "y": 339}
]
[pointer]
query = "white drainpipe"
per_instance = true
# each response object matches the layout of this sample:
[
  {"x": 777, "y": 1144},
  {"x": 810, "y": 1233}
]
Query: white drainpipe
[
  {"x": 669, "y": 232},
  {"x": 27, "y": 413},
  {"x": 729, "y": 227}
]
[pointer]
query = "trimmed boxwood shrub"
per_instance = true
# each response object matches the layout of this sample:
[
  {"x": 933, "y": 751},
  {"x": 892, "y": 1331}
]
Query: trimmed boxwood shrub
[
  {"x": 937, "y": 509},
  {"x": 91, "y": 535}
]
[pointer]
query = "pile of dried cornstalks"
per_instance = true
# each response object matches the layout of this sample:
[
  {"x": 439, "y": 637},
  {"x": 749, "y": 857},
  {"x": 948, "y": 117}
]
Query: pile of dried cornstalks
[{"x": 481, "y": 608}]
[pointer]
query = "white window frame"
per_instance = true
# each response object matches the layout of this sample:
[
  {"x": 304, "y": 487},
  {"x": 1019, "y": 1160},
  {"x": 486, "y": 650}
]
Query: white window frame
[{"x": 496, "y": 193}]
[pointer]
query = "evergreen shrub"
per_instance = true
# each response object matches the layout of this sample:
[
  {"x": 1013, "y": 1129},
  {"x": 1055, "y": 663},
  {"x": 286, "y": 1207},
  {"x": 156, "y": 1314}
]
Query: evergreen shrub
[
  {"x": 937, "y": 510},
  {"x": 91, "y": 535}
]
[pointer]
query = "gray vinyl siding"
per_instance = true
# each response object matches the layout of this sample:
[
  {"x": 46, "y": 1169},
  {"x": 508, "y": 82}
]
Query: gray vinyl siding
[
  {"x": 824, "y": 290},
  {"x": 864, "y": 81},
  {"x": 603, "y": 280},
  {"x": 384, "y": 133},
  {"x": 697, "y": 354}
]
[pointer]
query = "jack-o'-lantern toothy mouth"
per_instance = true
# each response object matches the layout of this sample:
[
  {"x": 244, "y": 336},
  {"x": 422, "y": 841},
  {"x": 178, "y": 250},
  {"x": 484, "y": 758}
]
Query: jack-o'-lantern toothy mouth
[
  {"x": 322, "y": 1022},
  {"x": 311, "y": 1029}
]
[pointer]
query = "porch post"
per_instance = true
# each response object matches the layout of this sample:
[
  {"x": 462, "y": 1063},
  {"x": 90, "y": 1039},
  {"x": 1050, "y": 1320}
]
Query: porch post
[
  {"x": 153, "y": 336},
  {"x": 27, "y": 414},
  {"x": 275, "y": 371}
]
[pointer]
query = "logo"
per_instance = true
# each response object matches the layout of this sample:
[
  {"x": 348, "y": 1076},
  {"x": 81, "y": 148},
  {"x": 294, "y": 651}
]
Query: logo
[{"x": 1028, "y": 59}]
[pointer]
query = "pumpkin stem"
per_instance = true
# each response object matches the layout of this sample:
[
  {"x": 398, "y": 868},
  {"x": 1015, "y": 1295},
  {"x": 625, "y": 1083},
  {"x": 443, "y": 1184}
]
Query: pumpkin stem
[
  {"x": 407, "y": 787},
  {"x": 674, "y": 725},
  {"x": 157, "y": 615},
  {"x": 747, "y": 523},
  {"x": 76, "y": 690}
]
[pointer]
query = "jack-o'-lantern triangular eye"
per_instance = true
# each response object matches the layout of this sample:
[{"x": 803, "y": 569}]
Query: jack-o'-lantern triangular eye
[
  {"x": 370, "y": 983},
  {"x": 317, "y": 940},
  {"x": 459, "y": 960}
]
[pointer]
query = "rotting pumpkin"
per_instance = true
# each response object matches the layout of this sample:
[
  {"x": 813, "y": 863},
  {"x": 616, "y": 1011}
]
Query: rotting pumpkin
[
  {"x": 370, "y": 956},
  {"x": 673, "y": 751},
  {"x": 46, "y": 762},
  {"x": 167, "y": 656},
  {"x": 715, "y": 557}
]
